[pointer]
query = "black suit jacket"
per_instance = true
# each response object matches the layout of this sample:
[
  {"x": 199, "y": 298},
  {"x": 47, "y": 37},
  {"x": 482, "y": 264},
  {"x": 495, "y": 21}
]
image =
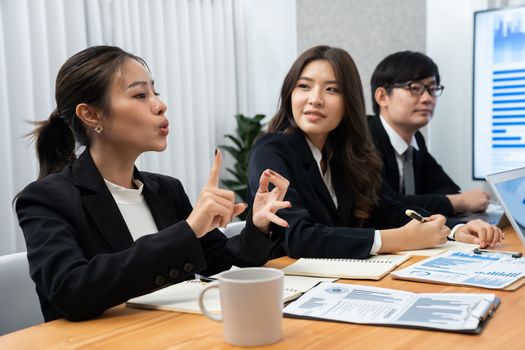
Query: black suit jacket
[
  {"x": 82, "y": 256},
  {"x": 316, "y": 227},
  {"x": 431, "y": 182}
]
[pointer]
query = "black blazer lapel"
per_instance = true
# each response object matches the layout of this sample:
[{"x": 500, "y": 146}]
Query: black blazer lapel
[
  {"x": 99, "y": 203},
  {"x": 161, "y": 209},
  {"x": 388, "y": 154},
  {"x": 345, "y": 200},
  {"x": 299, "y": 145},
  {"x": 417, "y": 161}
]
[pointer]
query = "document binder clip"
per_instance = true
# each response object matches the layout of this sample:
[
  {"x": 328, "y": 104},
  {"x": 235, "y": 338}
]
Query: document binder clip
[{"x": 489, "y": 312}]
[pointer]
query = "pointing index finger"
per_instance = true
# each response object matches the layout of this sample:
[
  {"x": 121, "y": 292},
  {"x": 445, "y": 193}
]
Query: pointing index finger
[{"x": 213, "y": 179}]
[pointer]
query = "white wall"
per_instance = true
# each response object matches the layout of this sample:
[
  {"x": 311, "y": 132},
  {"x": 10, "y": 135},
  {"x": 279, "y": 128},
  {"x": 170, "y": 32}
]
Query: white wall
[
  {"x": 369, "y": 30},
  {"x": 266, "y": 47},
  {"x": 449, "y": 42},
  {"x": 271, "y": 46}
]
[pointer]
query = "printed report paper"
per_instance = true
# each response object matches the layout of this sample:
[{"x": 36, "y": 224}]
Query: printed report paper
[
  {"x": 372, "y": 305},
  {"x": 487, "y": 270}
]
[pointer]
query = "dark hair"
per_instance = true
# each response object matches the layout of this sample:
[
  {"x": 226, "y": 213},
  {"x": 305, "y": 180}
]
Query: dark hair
[
  {"x": 351, "y": 142},
  {"x": 84, "y": 78},
  {"x": 401, "y": 67}
]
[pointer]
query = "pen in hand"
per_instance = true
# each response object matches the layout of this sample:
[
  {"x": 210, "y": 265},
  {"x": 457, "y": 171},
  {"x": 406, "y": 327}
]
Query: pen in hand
[{"x": 415, "y": 215}]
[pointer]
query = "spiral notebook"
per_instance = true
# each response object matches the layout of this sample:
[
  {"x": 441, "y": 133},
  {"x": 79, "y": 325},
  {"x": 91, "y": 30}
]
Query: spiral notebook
[
  {"x": 373, "y": 268},
  {"x": 183, "y": 297}
]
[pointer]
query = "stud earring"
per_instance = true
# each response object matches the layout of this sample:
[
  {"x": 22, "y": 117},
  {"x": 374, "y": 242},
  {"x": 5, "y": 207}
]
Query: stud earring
[{"x": 98, "y": 129}]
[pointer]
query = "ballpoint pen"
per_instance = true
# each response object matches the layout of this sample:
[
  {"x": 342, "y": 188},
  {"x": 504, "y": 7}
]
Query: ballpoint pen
[
  {"x": 415, "y": 215},
  {"x": 513, "y": 254},
  {"x": 206, "y": 279}
]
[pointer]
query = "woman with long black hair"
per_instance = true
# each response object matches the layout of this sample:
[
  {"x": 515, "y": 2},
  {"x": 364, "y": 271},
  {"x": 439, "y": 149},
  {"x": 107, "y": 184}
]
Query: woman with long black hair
[{"x": 319, "y": 140}]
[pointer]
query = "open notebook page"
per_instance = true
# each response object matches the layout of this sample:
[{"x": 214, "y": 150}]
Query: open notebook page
[
  {"x": 183, "y": 297},
  {"x": 374, "y": 267}
]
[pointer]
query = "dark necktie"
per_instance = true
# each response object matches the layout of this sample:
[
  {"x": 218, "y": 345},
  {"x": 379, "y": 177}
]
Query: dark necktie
[{"x": 408, "y": 171}]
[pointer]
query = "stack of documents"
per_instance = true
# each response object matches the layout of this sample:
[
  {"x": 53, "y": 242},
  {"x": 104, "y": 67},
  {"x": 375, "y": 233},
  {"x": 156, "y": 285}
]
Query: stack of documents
[
  {"x": 487, "y": 270},
  {"x": 456, "y": 312}
]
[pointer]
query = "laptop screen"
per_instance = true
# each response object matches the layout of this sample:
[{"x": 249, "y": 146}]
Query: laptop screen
[{"x": 509, "y": 187}]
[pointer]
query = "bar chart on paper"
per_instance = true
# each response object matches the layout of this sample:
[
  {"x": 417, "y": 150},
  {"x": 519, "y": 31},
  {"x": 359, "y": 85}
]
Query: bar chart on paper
[
  {"x": 490, "y": 270},
  {"x": 372, "y": 305},
  {"x": 435, "y": 310},
  {"x": 499, "y": 91}
]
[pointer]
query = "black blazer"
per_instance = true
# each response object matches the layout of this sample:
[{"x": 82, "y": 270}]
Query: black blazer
[
  {"x": 431, "y": 182},
  {"x": 316, "y": 227},
  {"x": 82, "y": 256}
]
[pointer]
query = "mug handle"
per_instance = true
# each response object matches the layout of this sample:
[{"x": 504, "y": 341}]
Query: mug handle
[{"x": 205, "y": 311}]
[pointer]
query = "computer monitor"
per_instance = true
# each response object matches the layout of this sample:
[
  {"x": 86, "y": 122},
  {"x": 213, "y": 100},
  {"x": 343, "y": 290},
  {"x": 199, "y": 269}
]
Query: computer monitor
[
  {"x": 498, "y": 91},
  {"x": 509, "y": 187}
]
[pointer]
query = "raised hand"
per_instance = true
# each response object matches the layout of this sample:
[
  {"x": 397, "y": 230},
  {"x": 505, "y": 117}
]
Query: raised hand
[
  {"x": 215, "y": 207},
  {"x": 266, "y": 203}
]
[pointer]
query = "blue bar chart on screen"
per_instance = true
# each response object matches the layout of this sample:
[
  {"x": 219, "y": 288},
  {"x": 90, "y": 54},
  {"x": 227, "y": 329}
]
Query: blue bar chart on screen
[{"x": 499, "y": 91}]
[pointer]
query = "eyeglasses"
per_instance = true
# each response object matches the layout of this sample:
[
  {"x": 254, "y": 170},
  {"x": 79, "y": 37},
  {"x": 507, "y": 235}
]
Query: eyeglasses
[{"x": 418, "y": 89}]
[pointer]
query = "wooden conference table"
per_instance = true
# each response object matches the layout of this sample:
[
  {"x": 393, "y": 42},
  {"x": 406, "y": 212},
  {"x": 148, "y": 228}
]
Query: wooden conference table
[{"x": 129, "y": 328}]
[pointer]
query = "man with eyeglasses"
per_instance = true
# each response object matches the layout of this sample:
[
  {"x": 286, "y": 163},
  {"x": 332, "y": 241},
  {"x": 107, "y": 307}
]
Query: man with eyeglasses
[{"x": 405, "y": 87}]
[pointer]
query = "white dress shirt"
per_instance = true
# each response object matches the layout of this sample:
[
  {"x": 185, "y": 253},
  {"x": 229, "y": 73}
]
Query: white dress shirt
[
  {"x": 400, "y": 146},
  {"x": 133, "y": 208}
]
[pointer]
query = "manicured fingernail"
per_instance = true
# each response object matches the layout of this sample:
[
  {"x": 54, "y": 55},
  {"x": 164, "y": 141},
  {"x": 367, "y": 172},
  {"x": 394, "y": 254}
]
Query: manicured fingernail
[{"x": 216, "y": 150}]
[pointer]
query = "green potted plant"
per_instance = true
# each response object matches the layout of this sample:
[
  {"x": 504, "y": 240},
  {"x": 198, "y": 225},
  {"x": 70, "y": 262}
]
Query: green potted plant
[{"x": 248, "y": 128}]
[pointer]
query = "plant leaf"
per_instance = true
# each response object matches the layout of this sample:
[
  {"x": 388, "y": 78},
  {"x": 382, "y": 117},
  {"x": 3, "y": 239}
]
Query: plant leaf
[{"x": 247, "y": 130}]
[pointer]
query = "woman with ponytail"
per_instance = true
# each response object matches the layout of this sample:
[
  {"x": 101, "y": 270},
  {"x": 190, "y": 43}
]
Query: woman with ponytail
[
  {"x": 99, "y": 231},
  {"x": 55, "y": 144}
]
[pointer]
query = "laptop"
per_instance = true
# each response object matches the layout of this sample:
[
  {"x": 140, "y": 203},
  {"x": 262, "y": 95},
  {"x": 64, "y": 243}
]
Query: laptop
[
  {"x": 509, "y": 188},
  {"x": 493, "y": 215}
]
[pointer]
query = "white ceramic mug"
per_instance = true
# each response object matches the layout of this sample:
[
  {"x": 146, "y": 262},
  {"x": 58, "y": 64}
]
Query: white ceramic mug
[{"x": 251, "y": 303}]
